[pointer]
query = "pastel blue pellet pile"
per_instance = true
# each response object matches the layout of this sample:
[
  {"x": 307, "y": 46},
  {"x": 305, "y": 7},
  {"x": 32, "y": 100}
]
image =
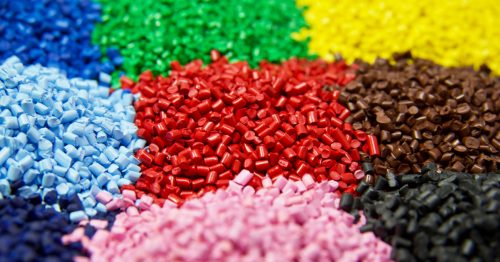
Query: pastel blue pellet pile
[
  {"x": 67, "y": 135},
  {"x": 56, "y": 34}
]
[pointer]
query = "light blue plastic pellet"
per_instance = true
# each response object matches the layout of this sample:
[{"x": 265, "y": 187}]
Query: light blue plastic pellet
[
  {"x": 89, "y": 201},
  {"x": 64, "y": 133},
  {"x": 72, "y": 176},
  {"x": 90, "y": 212},
  {"x": 9, "y": 122},
  {"x": 60, "y": 170},
  {"x": 24, "y": 122},
  {"x": 101, "y": 137},
  {"x": 133, "y": 167},
  {"x": 69, "y": 138},
  {"x": 48, "y": 180},
  {"x": 96, "y": 169},
  {"x": 114, "y": 169},
  {"x": 28, "y": 106},
  {"x": 103, "y": 160},
  {"x": 26, "y": 163},
  {"x": 62, "y": 159},
  {"x": 4, "y": 154},
  {"x": 41, "y": 109},
  {"x": 122, "y": 162},
  {"x": 62, "y": 189},
  {"x": 100, "y": 208},
  {"x": 132, "y": 176},
  {"x": 71, "y": 151},
  {"x": 69, "y": 116},
  {"x": 104, "y": 78},
  {"x": 77, "y": 216},
  {"x": 33, "y": 135},
  {"x": 53, "y": 122},
  {"x": 85, "y": 183},
  {"x": 14, "y": 173},
  {"x": 123, "y": 181},
  {"x": 111, "y": 153},
  {"x": 30, "y": 176},
  {"x": 45, "y": 165},
  {"x": 84, "y": 172},
  {"x": 112, "y": 187},
  {"x": 102, "y": 180},
  {"x": 4, "y": 187}
]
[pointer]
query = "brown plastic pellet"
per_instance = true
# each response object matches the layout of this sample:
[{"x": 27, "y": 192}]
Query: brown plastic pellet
[{"x": 422, "y": 112}]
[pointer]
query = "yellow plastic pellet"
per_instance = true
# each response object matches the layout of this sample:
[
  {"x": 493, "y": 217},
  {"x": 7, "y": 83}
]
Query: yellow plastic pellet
[{"x": 449, "y": 32}]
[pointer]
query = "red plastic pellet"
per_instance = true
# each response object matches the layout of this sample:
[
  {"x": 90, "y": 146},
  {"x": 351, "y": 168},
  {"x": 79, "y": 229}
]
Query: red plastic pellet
[{"x": 205, "y": 124}]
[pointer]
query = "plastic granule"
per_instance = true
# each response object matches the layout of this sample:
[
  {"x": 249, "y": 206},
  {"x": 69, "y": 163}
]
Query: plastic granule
[
  {"x": 64, "y": 135},
  {"x": 152, "y": 34},
  {"x": 287, "y": 221},
  {"x": 449, "y": 32},
  {"x": 55, "y": 34}
]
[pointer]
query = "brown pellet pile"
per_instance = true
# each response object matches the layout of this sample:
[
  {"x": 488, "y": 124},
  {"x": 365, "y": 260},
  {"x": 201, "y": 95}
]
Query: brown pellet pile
[{"x": 422, "y": 112}]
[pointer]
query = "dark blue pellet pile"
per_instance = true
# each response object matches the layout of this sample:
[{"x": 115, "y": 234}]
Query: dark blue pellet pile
[
  {"x": 30, "y": 231},
  {"x": 55, "y": 34}
]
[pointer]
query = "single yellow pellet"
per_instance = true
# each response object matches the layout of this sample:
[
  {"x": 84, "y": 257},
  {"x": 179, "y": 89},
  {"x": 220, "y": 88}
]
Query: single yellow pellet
[{"x": 449, "y": 32}]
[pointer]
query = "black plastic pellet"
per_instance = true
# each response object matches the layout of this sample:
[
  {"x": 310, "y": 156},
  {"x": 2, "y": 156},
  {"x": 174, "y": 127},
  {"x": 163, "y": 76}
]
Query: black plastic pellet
[
  {"x": 432, "y": 201},
  {"x": 381, "y": 183},
  {"x": 346, "y": 202},
  {"x": 409, "y": 179},
  {"x": 367, "y": 167},
  {"x": 436, "y": 216},
  {"x": 362, "y": 187}
]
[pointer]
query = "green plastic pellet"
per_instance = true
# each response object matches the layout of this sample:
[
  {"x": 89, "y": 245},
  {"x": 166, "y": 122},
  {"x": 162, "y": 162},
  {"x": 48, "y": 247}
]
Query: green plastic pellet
[{"x": 150, "y": 34}]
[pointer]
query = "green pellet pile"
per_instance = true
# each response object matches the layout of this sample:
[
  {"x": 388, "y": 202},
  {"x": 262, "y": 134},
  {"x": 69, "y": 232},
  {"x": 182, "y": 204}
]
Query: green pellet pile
[{"x": 153, "y": 33}]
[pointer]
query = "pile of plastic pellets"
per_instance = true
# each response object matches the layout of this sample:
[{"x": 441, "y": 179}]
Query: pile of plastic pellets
[{"x": 249, "y": 130}]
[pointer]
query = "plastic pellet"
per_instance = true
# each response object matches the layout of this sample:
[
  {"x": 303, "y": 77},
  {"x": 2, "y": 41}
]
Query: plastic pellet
[
  {"x": 307, "y": 226},
  {"x": 57, "y": 152},
  {"x": 208, "y": 126},
  {"x": 436, "y": 215},
  {"x": 31, "y": 231},
  {"x": 370, "y": 29},
  {"x": 453, "y": 124},
  {"x": 186, "y": 30},
  {"x": 55, "y": 34}
]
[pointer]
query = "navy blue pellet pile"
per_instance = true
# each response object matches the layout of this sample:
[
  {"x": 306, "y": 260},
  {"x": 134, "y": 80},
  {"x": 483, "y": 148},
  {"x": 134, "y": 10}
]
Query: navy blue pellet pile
[
  {"x": 30, "y": 231},
  {"x": 434, "y": 215},
  {"x": 54, "y": 33}
]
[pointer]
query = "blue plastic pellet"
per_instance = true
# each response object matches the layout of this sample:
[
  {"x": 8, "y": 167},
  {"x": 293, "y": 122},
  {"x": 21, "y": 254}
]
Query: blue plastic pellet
[
  {"x": 32, "y": 231},
  {"x": 4, "y": 154},
  {"x": 56, "y": 34},
  {"x": 64, "y": 136},
  {"x": 77, "y": 216}
]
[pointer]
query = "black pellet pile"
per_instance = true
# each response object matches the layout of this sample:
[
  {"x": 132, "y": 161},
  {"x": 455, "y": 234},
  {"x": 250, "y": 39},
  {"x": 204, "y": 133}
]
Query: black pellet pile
[
  {"x": 422, "y": 112},
  {"x": 433, "y": 215}
]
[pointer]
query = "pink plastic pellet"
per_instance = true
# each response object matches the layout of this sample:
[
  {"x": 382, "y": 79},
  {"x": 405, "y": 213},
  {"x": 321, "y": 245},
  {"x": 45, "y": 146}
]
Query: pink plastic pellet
[
  {"x": 267, "y": 182},
  {"x": 280, "y": 182},
  {"x": 242, "y": 225},
  {"x": 104, "y": 197},
  {"x": 359, "y": 174},
  {"x": 99, "y": 224},
  {"x": 129, "y": 194},
  {"x": 308, "y": 181},
  {"x": 243, "y": 177}
]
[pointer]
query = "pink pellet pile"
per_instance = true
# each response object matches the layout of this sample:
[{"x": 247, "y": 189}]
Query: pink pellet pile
[{"x": 284, "y": 221}]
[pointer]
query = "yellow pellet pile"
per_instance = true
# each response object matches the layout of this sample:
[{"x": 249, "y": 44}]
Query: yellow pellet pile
[{"x": 450, "y": 32}]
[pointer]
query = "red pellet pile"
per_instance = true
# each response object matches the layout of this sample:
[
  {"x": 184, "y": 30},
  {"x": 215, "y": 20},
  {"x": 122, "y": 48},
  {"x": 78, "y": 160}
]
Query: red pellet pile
[{"x": 205, "y": 124}]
